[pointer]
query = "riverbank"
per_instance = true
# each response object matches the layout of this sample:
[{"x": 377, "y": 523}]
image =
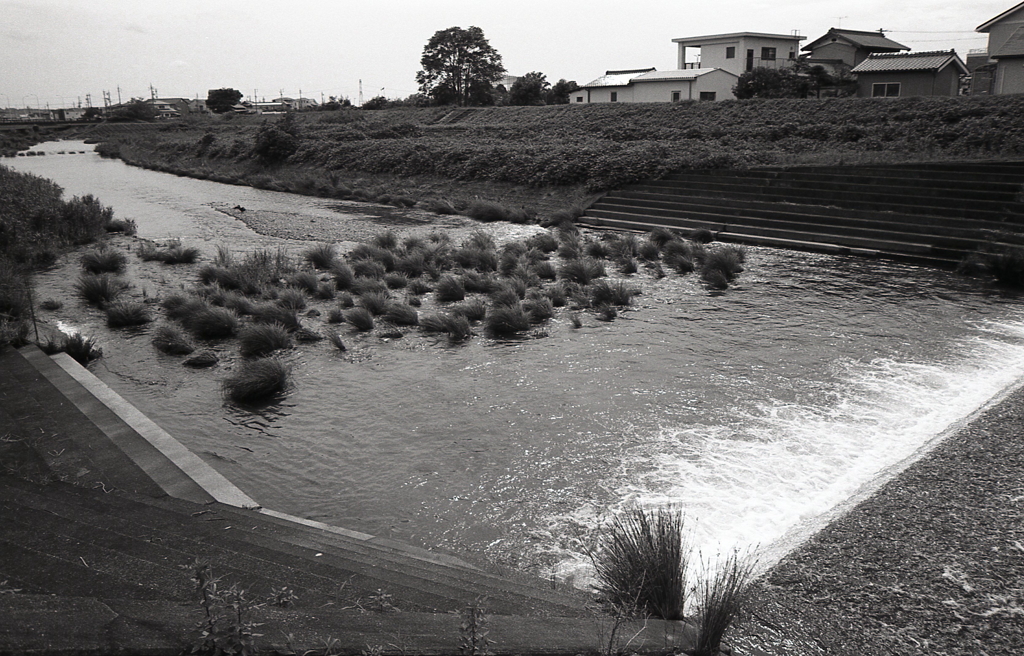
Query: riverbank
[{"x": 933, "y": 563}]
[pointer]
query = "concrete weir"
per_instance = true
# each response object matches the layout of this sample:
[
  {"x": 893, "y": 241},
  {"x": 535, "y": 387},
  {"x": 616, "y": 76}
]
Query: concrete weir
[{"x": 103, "y": 512}]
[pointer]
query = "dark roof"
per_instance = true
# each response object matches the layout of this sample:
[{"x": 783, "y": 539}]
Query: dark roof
[
  {"x": 934, "y": 60},
  {"x": 984, "y": 27},
  {"x": 875, "y": 41},
  {"x": 630, "y": 71},
  {"x": 1014, "y": 46}
]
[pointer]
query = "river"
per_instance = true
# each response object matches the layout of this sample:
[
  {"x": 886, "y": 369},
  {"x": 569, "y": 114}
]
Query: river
[{"x": 756, "y": 411}]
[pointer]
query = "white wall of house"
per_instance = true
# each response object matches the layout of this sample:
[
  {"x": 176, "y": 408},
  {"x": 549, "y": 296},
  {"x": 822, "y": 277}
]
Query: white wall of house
[
  {"x": 1010, "y": 75},
  {"x": 714, "y": 53},
  {"x": 719, "y": 83}
]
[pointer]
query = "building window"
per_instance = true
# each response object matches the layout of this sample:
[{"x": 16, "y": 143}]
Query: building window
[
  {"x": 768, "y": 54},
  {"x": 579, "y": 98},
  {"x": 707, "y": 95},
  {"x": 675, "y": 96},
  {"x": 615, "y": 96},
  {"x": 792, "y": 54},
  {"x": 730, "y": 52},
  {"x": 885, "y": 90}
]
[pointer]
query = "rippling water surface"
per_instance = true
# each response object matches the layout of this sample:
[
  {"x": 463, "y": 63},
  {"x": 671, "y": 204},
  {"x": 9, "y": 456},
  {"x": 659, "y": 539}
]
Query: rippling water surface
[{"x": 755, "y": 410}]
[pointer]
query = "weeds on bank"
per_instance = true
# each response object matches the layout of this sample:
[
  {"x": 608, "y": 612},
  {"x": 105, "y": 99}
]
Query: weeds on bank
[
  {"x": 721, "y": 592},
  {"x": 256, "y": 380},
  {"x": 473, "y": 631}
]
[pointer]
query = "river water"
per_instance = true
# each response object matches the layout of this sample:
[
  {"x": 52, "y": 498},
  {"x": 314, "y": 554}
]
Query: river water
[{"x": 756, "y": 410}]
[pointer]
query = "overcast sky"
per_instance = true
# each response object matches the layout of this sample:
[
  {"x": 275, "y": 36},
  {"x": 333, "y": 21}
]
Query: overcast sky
[{"x": 57, "y": 51}]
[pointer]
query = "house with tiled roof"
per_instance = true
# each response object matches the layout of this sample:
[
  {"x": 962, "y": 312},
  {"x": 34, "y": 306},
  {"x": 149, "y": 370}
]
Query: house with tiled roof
[
  {"x": 840, "y": 50},
  {"x": 651, "y": 85},
  {"x": 893, "y": 75},
  {"x": 1005, "y": 51}
]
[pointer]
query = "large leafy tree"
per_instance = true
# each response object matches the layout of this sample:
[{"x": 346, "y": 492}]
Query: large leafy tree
[
  {"x": 220, "y": 101},
  {"x": 459, "y": 67},
  {"x": 559, "y": 92}
]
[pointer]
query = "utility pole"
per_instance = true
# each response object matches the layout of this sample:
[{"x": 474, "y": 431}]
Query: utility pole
[
  {"x": 152, "y": 92},
  {"x": 119, "y": 94},
  {"x": 88, "y": 100},
  {"x": 360, "y": 93}
]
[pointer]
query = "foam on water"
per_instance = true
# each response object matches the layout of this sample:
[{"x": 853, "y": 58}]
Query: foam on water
[{"x": 743, "y": 485}]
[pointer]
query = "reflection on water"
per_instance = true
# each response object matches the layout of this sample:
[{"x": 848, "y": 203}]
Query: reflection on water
[{"x": 754, "y": 410}]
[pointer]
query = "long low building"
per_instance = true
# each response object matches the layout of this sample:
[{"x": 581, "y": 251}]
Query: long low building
[{"x": 651, "y": 85}]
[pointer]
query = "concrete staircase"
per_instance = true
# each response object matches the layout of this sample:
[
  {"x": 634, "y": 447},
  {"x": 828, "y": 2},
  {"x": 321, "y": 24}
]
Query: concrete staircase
[
  {"x": 926, "y": 213},
  {"x": 102, "y": 517}
]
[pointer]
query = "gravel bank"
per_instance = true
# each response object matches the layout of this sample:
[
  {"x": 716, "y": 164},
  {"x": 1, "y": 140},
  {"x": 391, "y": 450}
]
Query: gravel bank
[{"x": 933, "y": 563}]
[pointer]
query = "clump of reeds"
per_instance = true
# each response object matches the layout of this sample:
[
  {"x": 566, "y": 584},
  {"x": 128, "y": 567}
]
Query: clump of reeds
[
  {"x": 292, "y": 299},
  {"x": 83, "y": 349},
  {"x": 271, "y": 313},
  {"x": 304, "y": 280},
  {"x": 581, "y": 270},
  {"x": 359, "y": 318},
  {"x": 375, "y": 302},
  {"x": 335, "y": 338},
  {"x": 124, "y": 226},
  {"x": 539, "y": 309},
  {"x": 99, "y": 289},
  {"x": 649, "y": 251},
  {"x": 208, "y": 322},
  {"x": 449, "y": 288},
  {"x": 343, "y": 275},
  {"x": 543, "y": 241},
  {"x": 660, "y": 236},
  {"x": 438, "y": 206},
  {"x": 419, "y": 286},
  {"x": 619, "y": 292},
  {"x": 258, "y": 340},
  {"x": 473, "y": 310},
  {"x": 396, "y": 280},
  {"x": 121, "y": 314},
  {"x": 454, "y": 325},
  {"x": 721, "y": 595},
  {"x": 721, "y": 265},
  {"x": 321, "y": 256},
  {"x": 104, "y": 260},
  {"x": 400, "y": 314},
  {"x": 641, "y": 562},
  {"x": 172, "y": 340},
  {"x": 256, "y": 380},
  {"x": 173, "y": 253},
  {"x": 504, "y": 320}
]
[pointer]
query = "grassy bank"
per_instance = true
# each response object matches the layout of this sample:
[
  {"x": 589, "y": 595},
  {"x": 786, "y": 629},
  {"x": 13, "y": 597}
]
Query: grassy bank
[
  {"x": 566, "y": 151},
  {"x": 36, "y": 225}
]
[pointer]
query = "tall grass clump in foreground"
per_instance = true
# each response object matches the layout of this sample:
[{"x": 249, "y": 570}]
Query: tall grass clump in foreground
[
  {"x": 503, "y": 320},
  {"x": 256, "y": 380},
  {"x": 581, "y": 270},
  {"x": 208, "y": 322},
  {"x": 641, "y": 563},
  {"x": 322, "y": 256},
  {"x": 721, "y": 595}
]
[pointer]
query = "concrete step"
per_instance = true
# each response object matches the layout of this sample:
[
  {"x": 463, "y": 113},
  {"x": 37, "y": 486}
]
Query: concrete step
[
  {"x": 811, "y": 232},
  {"x": 940, "y": 227},
  {"x": 956, "y": 173},
  {"x": 889, "y": 200}
]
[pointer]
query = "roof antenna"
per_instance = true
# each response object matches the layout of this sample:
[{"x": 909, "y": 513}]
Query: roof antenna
[{"x": 839, "y": 25}]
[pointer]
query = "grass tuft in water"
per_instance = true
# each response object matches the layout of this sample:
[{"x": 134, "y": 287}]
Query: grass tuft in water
[
  {"x": 100, "y": 289},
  {"x": 121, "y": 314},
  {"x": 261, "y": 339},
  {"x": 172, "y": 340},
  {"x": 722, "y": 590},
  {"x": 256, "y": 380}
]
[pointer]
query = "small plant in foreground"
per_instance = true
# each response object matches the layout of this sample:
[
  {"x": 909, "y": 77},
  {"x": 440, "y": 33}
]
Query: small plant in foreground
[
  {"x": 473, "y": 640},
  {"x": 603, "y": 292},
  {"x": 335, "y": 340},
  {"x": 641, "y": 562},
  {"x": 209, "y": 322},
  {"x": 376, "y": 303},
  {"x": 261, "y": 339},
  {"x": 127, "y": 313},
  {"x": 271, "y": 313},
  {"x": 721, "y": 595},
  {"x": 581, "y": 270},
  {"x": 51, "y": 304},
  {"x": 401, "y": 314},
  {"x": 256, "y": 380},
  {"x": 227, "y": 627},
  {"x": 124, "y": 226},
  {"x": 449, "y": 288}
]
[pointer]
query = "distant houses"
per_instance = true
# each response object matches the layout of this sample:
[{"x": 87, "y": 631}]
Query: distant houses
[{"x": 709, "y": 66}]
